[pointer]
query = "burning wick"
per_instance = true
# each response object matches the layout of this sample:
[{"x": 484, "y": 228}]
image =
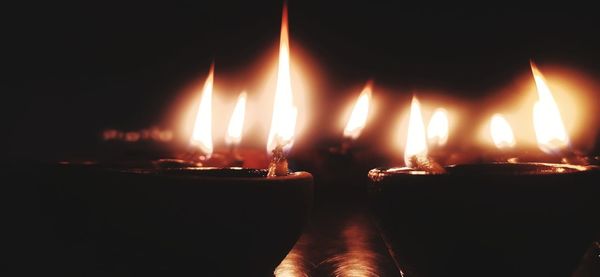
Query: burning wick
[
  {"x": 234, "y": 130},
  {"x": 503, "y": 136},
  {"x": 437, "y": 130},
  {"x": 283, "y": 122},
  {"x": 549, "y": 129},
  {"x": 437, "y": 135},
  {"x": 415, "y": 153},
  {"x": 358, "y": 118},
  {"x": 201, "y": 145},
  {"x": 278, "y": 165}
]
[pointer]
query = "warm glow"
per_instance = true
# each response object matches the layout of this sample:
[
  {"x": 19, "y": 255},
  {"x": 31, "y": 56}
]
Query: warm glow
[
  {"x": 501, "y": 132},
  {"x": 283, "y": 122},
  {"x": 416, "y": 143},
  {"x": 549, "y": 128},
  {"x": 202, "y": 134},
  {"x": 359, "y": 115},
  {"x": 236, "y": 123},
  {"x": 437, "y": 130}
]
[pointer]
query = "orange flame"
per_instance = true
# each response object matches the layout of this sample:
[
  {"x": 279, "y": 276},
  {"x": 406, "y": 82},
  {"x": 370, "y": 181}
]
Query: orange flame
[
  {"x": 437, "y": 130},
  {"x": 416, "y": 143},
  {"x": 549, "y": 128},
  {"x": 283, "y": 122},
  {"x": 501, "y": 132},
  {"x": 358, "y": 118},
  {"x": 236, "y": 123},
  {"x": 202, "y": 134}
]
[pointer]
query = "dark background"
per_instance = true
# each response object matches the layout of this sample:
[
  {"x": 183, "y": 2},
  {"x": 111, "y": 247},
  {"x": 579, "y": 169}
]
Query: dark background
[{"x": 72, "y": 70}]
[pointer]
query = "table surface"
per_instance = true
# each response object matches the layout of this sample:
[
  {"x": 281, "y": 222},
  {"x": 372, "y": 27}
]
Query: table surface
[{"x": 340, "y": 240}]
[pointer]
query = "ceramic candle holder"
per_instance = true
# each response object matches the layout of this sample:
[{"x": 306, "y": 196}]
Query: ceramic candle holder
[
  {"x": 496, "y": 219},
  {"x": 192, "y": 221}
]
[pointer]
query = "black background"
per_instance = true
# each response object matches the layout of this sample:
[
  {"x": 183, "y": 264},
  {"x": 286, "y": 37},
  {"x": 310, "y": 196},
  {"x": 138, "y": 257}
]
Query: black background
[{"x": 74, "y": 69}]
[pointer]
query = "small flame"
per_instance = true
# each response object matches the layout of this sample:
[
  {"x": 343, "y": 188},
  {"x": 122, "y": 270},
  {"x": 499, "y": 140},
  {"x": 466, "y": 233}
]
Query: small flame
[
  {"x": 549, "y": 128},
  {"x": 416, "y": 143},
  {"x": 502, "y": 133},
  {"x": 236, "y": 123},
  {"x": 358, "y": 118},
  {"x": 437, "y": 130},
  {"x": 202, "y": 134},
  {"x": 283, "y": 123}
]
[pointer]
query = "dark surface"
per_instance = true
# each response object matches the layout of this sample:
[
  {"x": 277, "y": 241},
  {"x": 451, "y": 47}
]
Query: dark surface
[{"x": 482, "y": 220}]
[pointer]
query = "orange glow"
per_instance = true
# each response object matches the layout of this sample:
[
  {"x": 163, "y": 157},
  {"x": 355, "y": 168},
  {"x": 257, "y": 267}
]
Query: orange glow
[
  {"x": 202, "y": 134},
  {"x": 437, "y": 130},
  {"x": 360, "y": 113},
  {"x": 548, "y": 125},
  {"x": 416, "y": 143},
  {"x": 501, "y": 132},
  {"x": 236, "y": 123},
  {"x": 283, "y": 122}
]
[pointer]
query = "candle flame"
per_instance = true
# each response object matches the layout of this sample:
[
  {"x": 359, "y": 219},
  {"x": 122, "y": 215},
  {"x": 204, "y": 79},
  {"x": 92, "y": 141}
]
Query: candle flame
[
  {"x": 358, "y": 118},
  {"x": 283, "y": 122},
  {"x": 416, "y": 143},
  {"x": 547, "y": 122},
  {"x": 202, "y": 134},
  {"x": 236, "y": 123},
  {"x": 437, "y": 130},
  {"x": 501, "y": 132}
]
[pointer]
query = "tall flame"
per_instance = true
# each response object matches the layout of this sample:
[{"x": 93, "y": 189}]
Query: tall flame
[
  {"x": 437, "y": 130},
  {"x": 236, "y": 123},
  {"x": 549, "y": 128},
  {"x": 202, "y": 134},
  {"x": 416, "y": 143},
  {"x": 501, "y": 132},
  {"x": 283, "y": 123},
  {"x": 358, "y": 118}
]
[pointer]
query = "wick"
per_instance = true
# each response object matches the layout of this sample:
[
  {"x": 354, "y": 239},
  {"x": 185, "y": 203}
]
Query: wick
[
  {"x": 426, "y": 163},
  {"x": 195, "y": 155},
  {"x": 278, "y": 165},
  {"x": 346, "y": 145},
  {"x": 234, "y": 156}
]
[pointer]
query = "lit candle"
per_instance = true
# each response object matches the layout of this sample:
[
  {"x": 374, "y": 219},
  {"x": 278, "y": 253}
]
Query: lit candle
[
  {"x": 416, "y": 152},
  {"x": 498, "y": 216},
  {"x": 201, "y": 138},
  {"x": 185, "y": 217},
  {"x": 234, "y": 130},
  {"x": 283, "y": 122},
  {"x": 550, "y": 131},
  {"x": 358, "y": 118},
  {"x": 503, "y": 138},
  {"x": 437, "y": 137}
]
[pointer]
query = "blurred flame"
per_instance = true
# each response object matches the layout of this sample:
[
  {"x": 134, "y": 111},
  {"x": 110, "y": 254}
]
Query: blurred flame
[
  {"x": 416, "y": 143},
  {"x": 358, "y": 118},
  {"x": 283, "y": 122},
  {"x": 236, "y": 123},
  {"x": 437, "y": 130},
  {"x": 202, "y": 134},
  {"x": 501, "y": 132},
  {"x": 547, "y": 122}
]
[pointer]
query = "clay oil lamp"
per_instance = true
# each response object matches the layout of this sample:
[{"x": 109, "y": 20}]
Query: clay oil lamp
[
  {"x": 193, "y": 215},
  {"x": 493, "y": 219}
]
